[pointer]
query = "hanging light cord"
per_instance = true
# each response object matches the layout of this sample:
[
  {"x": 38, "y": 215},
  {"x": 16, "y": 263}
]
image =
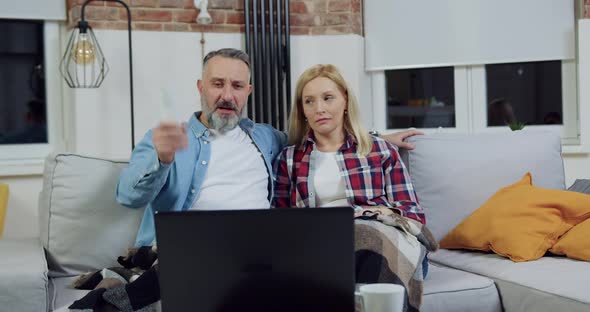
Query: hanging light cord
[{"x": 202, "y": 44}]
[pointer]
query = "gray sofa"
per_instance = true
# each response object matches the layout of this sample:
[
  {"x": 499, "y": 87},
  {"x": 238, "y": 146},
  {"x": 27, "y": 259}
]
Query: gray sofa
[{"x": 83, "y": 228}]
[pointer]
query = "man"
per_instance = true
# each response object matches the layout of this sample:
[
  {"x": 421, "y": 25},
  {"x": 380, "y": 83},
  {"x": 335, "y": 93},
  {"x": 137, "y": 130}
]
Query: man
[{"x": 214, "y": 162}]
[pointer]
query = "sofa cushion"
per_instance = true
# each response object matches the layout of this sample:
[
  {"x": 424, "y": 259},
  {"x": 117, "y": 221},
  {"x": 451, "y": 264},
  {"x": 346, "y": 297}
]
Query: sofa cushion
[
  {"x": 520, "y": 221},
  {"x": 575, "y": 243},
  {"x": 546, "y": 284},
  {"x": 82, "y": 227},
  {"x": 447, "y": 289},
  {"x": 454, "y": 174},
  {"x": 23, "y": 272}
]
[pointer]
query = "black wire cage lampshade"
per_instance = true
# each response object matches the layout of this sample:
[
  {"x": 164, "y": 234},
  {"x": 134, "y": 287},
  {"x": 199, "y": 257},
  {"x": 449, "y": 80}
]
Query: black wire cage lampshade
[{"x": 83, "y": 64}]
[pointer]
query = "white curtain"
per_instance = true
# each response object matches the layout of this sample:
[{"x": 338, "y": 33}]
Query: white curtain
[
  {"x": 429, "y": 33},
  {"x": 33, "y": 9}
]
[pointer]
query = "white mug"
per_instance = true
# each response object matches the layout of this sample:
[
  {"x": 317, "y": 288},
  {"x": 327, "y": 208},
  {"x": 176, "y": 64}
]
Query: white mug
[{"x": 381, "y": 297}]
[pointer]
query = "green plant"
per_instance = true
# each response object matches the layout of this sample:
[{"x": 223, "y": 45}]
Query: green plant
[{"x": 517, "y": 125}]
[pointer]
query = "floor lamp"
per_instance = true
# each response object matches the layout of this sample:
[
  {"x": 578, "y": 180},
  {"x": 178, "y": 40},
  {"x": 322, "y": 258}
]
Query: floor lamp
[{"x": 83, "y": 64}]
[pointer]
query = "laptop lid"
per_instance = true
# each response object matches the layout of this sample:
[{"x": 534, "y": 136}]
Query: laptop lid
[{"x": 262, "y": 260}]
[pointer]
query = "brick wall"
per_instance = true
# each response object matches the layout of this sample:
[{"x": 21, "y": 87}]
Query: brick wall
[
  {"x": 321, "y": 17},
  {"x": 308, "y": 17},
  {"x": 311, "y": 17}
]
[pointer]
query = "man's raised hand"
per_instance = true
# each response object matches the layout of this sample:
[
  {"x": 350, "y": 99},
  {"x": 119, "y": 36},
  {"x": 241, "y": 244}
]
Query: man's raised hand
[{"x": 169, "y": 137}]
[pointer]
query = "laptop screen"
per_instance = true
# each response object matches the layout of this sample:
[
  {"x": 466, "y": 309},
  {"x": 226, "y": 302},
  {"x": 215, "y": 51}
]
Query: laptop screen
[{"x": 263, "y": 260}]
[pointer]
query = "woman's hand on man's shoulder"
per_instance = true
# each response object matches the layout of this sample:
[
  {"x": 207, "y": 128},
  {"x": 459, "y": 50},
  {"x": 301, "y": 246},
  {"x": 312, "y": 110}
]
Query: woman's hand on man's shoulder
[{"x": 397, "y": 138}]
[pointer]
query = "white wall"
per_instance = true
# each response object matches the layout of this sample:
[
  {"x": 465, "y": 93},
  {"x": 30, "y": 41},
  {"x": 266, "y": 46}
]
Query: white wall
[{"x": 577, "y": 166}]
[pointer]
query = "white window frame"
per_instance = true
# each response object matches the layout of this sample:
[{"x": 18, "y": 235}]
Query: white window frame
[
  {"x": 470, "y": 99},
  {"x": 471, "y": 93},
  {"x": 27, "y": 159}
]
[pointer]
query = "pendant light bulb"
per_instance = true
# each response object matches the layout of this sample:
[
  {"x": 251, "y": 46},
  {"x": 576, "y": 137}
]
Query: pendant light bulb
[{"x": 83, "y": 52}]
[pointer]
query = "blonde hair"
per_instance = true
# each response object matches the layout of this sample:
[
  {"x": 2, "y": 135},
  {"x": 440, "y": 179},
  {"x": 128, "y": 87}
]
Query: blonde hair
[{"x": 298, "y": 126}]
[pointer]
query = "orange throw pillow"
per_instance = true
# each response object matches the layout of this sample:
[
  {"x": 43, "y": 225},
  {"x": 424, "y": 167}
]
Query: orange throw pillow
[
  {"x": 575, "y": 243},
  {"x": 520, "y": 221}
]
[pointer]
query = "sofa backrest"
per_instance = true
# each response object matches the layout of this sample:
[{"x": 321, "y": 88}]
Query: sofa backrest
[
  {"x": 82, "y": 227},
  {"x": 454, "y": 174}
]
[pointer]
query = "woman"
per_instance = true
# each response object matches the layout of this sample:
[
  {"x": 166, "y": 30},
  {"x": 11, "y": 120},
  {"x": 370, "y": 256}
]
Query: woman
[
  {"x": 332, "y": 161},
  {"x": 335, "y": 162}
]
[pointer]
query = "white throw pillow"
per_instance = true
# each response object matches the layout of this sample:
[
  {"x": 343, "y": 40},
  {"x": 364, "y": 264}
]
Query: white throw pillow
[{"x": 82, "y": 227}]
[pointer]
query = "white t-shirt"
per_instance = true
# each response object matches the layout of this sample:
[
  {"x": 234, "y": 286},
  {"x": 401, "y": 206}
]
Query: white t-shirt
[
  {"x": 330, "y": 190},
  {"x": 237, "y": 177}
]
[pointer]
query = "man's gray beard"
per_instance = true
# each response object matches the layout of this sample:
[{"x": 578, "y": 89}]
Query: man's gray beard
[{"x": 221, "y": 123}]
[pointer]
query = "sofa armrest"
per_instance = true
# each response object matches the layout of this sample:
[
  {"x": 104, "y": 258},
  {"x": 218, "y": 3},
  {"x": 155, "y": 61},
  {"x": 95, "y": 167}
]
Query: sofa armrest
[{"x": 23, "y": 276}]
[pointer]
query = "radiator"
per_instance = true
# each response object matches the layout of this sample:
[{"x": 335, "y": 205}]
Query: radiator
[{"x": 267, "y": 43}]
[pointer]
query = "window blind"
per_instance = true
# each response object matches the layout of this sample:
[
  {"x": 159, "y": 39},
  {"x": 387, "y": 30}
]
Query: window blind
[
  {"x": 33, "y": 9},
  {"x": 420, "y": 33}
]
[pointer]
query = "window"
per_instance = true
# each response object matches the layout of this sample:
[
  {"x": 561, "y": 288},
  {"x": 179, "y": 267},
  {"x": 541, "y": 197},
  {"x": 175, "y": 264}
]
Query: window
[
  {"x": 480, "y": 97},
  {"x": 22, "y": 83},
  {"x": 421, "y": 98},
  {"x": 30, "y": 95},
  {"x": 527, "y": 93}
]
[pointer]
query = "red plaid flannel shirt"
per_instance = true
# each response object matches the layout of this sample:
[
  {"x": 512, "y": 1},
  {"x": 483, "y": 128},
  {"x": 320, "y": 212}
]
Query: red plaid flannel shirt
[{"x": 380, "y": 178}]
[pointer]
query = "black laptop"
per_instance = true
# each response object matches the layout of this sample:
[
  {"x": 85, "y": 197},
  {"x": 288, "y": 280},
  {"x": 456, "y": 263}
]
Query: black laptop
[{"x": 257, "y": 260}]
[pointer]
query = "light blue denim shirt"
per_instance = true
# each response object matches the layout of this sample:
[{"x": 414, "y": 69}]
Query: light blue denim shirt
[{"x": 173, "y": 187}]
